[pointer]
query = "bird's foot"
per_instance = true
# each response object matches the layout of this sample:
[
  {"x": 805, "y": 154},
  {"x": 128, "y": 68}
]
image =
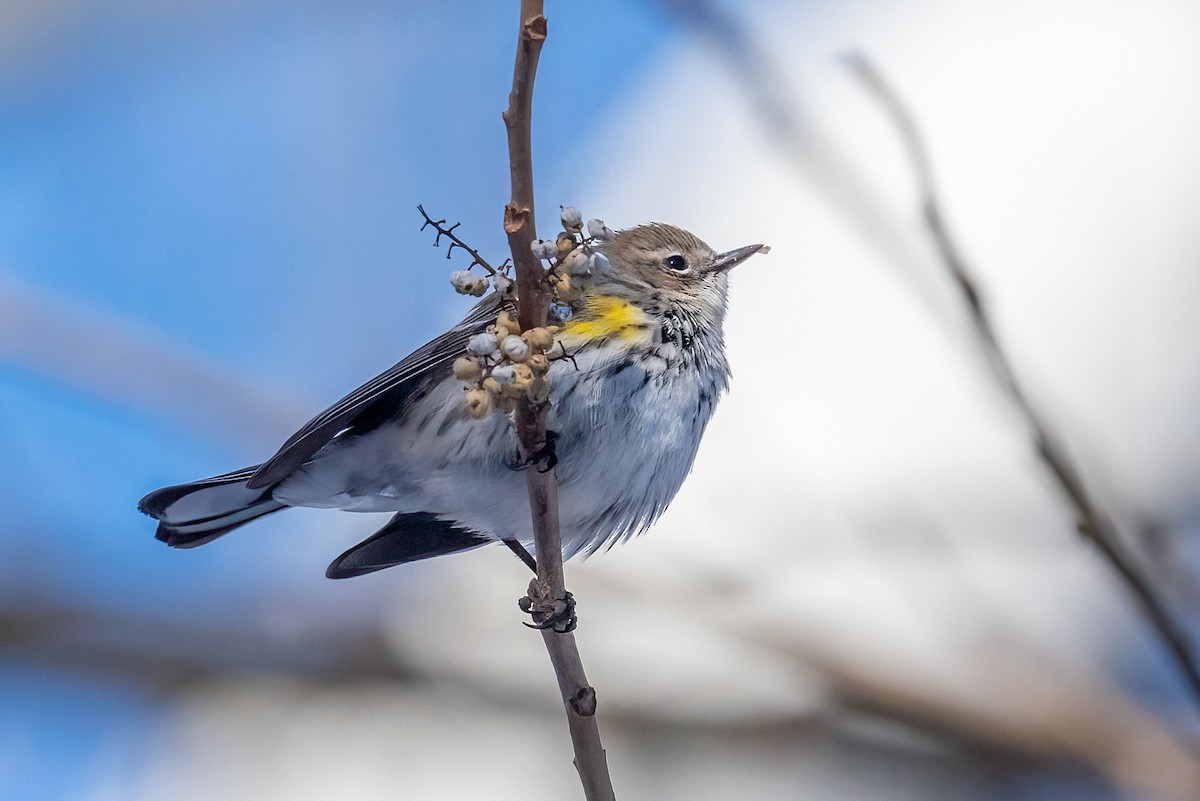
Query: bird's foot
[
  {"x": 556, "y": 614},
  {"x": 545, "y": 457}
]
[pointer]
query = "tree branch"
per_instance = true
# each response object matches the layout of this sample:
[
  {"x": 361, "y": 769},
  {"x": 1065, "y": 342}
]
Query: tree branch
[
  {"x": 579, "y": 699},
  {"x": 1096, "y": 526}
]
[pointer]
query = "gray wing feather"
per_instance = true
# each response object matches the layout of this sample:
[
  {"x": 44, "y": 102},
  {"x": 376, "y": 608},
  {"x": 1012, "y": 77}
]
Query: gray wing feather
[{"x": 379, "y": 398}]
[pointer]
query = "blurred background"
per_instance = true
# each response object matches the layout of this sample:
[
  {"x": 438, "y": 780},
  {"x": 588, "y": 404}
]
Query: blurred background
[{"x": 870, "y": 588}]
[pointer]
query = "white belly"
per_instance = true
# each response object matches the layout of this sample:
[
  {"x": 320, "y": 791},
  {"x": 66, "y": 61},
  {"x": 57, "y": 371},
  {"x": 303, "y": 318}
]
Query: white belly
[{"x": 625, "y": 445}]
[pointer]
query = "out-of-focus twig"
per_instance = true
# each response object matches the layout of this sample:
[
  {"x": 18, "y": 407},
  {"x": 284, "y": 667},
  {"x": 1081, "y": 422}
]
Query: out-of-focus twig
[
  {"x": 813, "y": 153},
  {"x": 1093, "y": 522},
  {"x": 579, "y": 698},
  {"x": 171, "y": 657},
  {"x": 1029, "y": 713},
  {"x": 98, "y": 353}
]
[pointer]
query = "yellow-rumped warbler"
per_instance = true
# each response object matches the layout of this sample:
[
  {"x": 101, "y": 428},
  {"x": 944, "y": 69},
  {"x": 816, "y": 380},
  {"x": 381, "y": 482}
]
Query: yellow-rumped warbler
[{"x": 627, "y": 409}]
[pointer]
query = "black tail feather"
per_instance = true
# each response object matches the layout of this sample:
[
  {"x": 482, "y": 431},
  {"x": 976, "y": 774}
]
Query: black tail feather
[{"x": 199, "y": 512}]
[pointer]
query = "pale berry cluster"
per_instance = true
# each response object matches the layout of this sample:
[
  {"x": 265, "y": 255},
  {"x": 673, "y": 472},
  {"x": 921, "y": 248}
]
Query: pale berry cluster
[
  {"x": 575, "y": 261},
  {"x": 505, "y": 363}
]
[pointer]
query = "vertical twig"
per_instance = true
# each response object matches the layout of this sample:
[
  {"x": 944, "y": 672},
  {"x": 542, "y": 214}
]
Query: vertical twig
[
  {"x": 1096, "y": 526},
  {"x": 579, "y": 698}
]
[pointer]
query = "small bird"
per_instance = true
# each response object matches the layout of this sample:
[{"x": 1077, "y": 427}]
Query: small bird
[{"x": 646, "y": 368}]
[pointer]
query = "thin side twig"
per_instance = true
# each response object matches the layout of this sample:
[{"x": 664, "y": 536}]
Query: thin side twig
[
  {"x": 1096, "y": 526},
  {"x": 455, "y": 242},
  {"x": 579, "y": 698}
]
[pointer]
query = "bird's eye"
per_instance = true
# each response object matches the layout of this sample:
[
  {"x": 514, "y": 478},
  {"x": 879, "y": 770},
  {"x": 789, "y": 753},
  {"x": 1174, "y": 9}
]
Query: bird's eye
[{"x": 676, "y": 262}]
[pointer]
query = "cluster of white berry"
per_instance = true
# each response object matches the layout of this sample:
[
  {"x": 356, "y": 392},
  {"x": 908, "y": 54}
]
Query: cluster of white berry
[
  {"x": 574, "y": 260},
  {"x": 505, "y": 363}
]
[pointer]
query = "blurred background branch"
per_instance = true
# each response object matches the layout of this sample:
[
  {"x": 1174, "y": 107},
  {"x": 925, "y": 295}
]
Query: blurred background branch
[
  {"x": 97, "y": 354},
  {"x": 1093, "y": 523}
]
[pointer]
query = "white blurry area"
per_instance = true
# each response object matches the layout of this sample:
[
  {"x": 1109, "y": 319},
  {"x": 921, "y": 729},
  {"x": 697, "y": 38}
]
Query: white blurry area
[
  {"x": 424, "y": 743},
  {"x": 867, "y": 519},
  {"x": 866, "y": 480}
]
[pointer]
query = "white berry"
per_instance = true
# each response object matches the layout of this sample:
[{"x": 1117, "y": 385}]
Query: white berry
[
  {"x": 577, "y": 263},
  {"x": 543, "y": 249},
  {"x": 480, "y": 287},
  {"x": 504, "y": 375},
  {"x": 598, "y": 230},
  {"x": 515, "y": 349},
  {"x": 560, "y": 311},
  {"x": 601, "y": 266},
  {"x": 572, "y": 218},
  {"x": 482, "y": 344}
]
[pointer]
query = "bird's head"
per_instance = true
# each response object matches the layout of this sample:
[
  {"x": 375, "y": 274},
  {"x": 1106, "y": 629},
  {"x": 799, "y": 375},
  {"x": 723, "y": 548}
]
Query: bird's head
[{"x": 665, "y": 263}]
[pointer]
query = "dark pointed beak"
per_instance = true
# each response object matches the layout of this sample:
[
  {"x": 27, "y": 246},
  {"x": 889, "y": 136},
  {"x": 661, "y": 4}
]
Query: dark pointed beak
[{"x": 732, "y": 258}]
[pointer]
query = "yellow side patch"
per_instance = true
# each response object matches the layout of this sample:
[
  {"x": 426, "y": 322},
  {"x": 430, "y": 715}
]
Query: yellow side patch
[{"x": 608, "y": 317}]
